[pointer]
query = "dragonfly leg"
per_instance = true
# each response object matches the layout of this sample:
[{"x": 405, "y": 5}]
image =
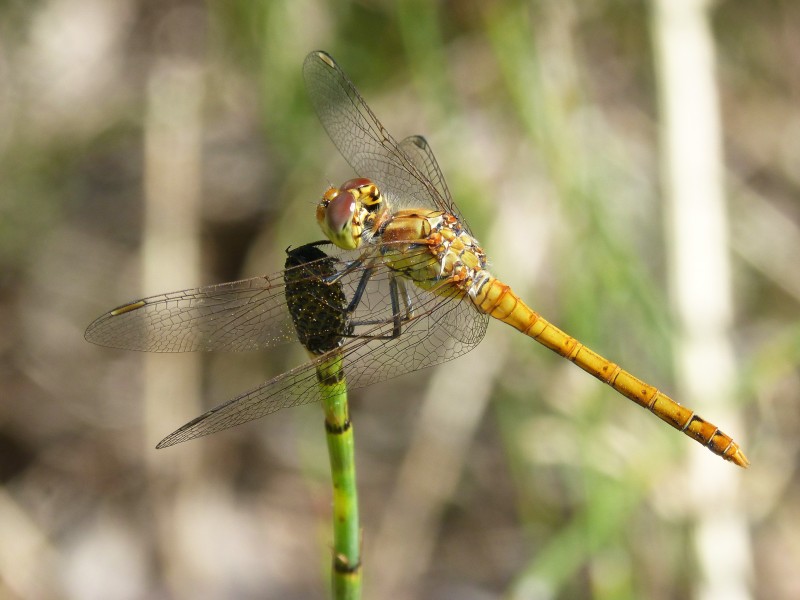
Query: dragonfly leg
[
  {"x": 362, "y": 283},
  {"x": 401, "y": 284},
  {"x": 349, "y": 268},
  {"x": 398, "y": 314},
  {"x": 359, "y": 293},
  {"x": 335, "y": 277}
]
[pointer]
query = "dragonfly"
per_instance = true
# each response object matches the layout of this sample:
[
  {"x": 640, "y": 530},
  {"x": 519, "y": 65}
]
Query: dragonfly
[{"x": 415, "y": 279}]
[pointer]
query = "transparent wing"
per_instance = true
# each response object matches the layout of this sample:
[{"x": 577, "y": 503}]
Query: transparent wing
[
  {"x": 419, "y": 151},
  {"x": 249, "y": 314},
  {"x": 238, "y": 316},
  {"x": 366, "y": 144},
  {"x": 441, "y": 328}
]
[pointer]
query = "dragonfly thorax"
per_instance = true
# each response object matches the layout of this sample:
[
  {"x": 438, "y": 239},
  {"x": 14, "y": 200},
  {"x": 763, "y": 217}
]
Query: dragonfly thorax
[
  {"x": 431, "y": 248},
  {"x": 345, "y": 214}
]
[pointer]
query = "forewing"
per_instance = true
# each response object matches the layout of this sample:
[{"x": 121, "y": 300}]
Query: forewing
[
  {"x": 237, "y": 316},
  {"x": 363, "y": 140},
  {"x": 416, "y": 147},
  {"x": 241, "y": 315}
]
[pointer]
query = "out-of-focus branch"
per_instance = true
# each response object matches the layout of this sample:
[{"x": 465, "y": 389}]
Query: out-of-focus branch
[
  {"x": 697, "y": 240},
  {"x": 171, "y": 255}
]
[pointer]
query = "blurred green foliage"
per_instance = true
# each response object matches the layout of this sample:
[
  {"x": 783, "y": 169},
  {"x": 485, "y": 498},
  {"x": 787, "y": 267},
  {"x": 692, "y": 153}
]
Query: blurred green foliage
[{"x": 543, "y": 118}]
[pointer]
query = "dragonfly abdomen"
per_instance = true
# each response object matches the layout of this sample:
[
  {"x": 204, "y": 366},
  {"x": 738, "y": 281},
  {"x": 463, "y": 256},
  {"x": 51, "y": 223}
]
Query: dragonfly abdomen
[{"x": 498, "y": 300}]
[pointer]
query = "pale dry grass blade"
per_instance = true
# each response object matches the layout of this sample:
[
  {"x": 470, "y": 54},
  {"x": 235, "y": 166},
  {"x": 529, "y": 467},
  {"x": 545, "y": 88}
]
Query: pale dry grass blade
[
  {"x": 171, "y": 254},
  {"x": 700, "y": 272}
]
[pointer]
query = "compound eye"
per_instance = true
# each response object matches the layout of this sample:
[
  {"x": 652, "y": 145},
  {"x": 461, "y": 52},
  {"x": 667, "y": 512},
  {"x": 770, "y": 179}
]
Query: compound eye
[
  {"x": 339, "y": 212},
  {"x": 366, "y": 191},
  {"x": 329, "y": 195},
  {"x": 355, "y": 184}
]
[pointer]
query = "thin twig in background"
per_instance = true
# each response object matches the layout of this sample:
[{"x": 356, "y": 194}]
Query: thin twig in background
[
  {"x": 171, "y": 253},
  {"x": 700, "y": 272}
]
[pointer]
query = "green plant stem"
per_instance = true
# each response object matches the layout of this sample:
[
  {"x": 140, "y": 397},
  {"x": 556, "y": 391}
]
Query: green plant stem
[
  {"x": 346, "y": 575},
  {"x": 317, "y": 309}
]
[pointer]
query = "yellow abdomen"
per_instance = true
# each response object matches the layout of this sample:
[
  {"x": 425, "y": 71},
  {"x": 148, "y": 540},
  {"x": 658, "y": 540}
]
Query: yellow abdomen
[{"x": 498, "y": 300}]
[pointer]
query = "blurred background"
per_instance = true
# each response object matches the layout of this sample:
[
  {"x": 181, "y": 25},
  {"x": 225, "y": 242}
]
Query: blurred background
[{"x": 632, "y": 169}]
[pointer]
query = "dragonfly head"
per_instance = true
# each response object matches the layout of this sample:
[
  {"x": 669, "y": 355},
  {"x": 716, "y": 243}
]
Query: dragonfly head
[{"x": 346, "y": 212}]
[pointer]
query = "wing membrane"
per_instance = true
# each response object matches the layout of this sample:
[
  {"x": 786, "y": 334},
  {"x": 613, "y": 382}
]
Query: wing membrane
[
  {"x": 366, "y": 144},
  {"x": 241, "y": 315},
  {"x": 441, "y": 329}
]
